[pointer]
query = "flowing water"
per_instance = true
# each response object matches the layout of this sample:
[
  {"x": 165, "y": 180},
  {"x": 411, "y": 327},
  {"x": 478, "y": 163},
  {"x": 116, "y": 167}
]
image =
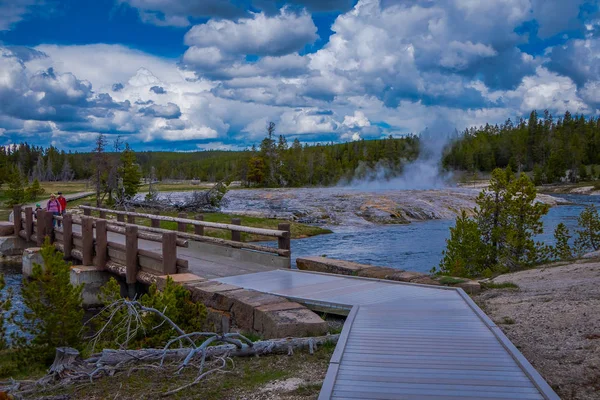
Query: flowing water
[{"x": 416, "y": 246}]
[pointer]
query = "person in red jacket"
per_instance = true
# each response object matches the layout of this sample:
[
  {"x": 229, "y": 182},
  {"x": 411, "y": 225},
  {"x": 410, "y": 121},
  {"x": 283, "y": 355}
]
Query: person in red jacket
[{"x": 63, "y": 205}]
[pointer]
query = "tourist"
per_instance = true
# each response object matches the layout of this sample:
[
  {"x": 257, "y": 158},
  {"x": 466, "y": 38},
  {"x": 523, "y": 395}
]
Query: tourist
[
  {"x": 53, "y": 207},
  {"x": 63, "y": 205},
  {"x": 37, "y": 208}
]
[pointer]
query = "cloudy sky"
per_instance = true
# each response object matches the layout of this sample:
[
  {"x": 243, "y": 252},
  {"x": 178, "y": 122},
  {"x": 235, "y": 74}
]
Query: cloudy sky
[{"x": 210, "y": 74}]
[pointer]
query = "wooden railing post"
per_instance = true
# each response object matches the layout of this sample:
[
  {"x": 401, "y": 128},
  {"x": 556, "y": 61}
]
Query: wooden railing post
[
  {"x": 103, "y": 214},
  {"x": 17, "y": 219},
  {"x": 101, "y": 243},
  {"x": 236, "y": 236},
  {"x": 41, "y": 227},
  {"x": 131, "y": 242},
  {"x": 169, "y": 253},
  {"x": 49, "y": 223},
  {"x": 182, "y": 226},
  {"x": 284, "y": 242},
  {"x": 28, "y": 223},
  {"x": 199, "y": 229},
  {"x": 86, "y": 211},
  {"x": 155, "y": 223},
  {"x": 87, "y": 235},
  {"x": 67, "y": 235},
  {"x": 131, "y": 218}
]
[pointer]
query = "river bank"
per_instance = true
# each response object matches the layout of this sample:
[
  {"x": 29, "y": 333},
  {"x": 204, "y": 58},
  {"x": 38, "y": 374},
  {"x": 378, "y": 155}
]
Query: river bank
[{"x": 553, "y": 320}]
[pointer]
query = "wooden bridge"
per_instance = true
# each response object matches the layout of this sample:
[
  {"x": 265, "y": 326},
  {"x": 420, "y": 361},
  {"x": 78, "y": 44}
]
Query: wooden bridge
[
  {"x": 140, "y": 253},
  {"x": 407, "y": 341},
  {"x": 400, "y": 340}
]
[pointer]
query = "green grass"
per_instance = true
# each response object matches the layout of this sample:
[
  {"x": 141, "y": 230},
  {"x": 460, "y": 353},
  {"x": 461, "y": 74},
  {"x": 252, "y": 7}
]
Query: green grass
[
  {"x": 507, "y": 321},
  {"x": 503, "y": 285},
  {"x": 298, "y": 230},
  {"x": 449, "y": 280},
  {"x": 10, "y": 369},
  {"x": 244, "y": 380}
]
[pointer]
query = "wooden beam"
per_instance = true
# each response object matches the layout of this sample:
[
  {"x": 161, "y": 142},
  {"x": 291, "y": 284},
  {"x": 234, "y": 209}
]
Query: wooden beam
[
  {"x": 142, "y": 234},
  {"x": 199, "y": 229},
  {"x": 87, "y": 211},
  {"x": 246, "y": 229},
  {"x": 155, "y": 223},
  {"x": 101, "y": 244},
  {"x": 236, "y": 235},
  {"x": 182, "y": 226},
  {"x": 169, "y": 253},
  {"x": 131, "y": 243},
  {"x": 29, "y": 222},
  {"x": 49, "y": 223},
  {"x": 67, "y": 235},
  {"x": 87, "y": 234},
  {"x": 17, "y": 217},
  {"x": 131, "y": 217},
  {"x": 284, "y": 242},
  {"x": 41, "y": 227}
]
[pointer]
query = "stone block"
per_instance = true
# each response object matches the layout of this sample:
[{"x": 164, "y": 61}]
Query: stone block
[
  {"x": 211, "y": 294},
  {"x": 405, "y": 276},
  {"x": 329, "y": 265},
  {"x": 426, "y": 280},
  {"x": 92, "y": 278},
  {"x": 377, "y": 272},
  {"x": 6, "y": 228},
  {"x": 471, "y": 287},
  {"x": 294, "y": 322},
  {"x": 243, "y": 304},
  {"x": 12, "y": 246},
  {"x": 180, "y": 279},
  {"x": 217, "y": 321},
  {"x": 31, "y": 256}
]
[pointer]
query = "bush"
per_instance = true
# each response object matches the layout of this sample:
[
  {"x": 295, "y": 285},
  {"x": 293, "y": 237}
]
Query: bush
[
  {"x": 35, "y": 190},
  {"x": 174, "y": 301},
  {"x": 54, "y": 312},
  {"x": 588, "y": 236}
]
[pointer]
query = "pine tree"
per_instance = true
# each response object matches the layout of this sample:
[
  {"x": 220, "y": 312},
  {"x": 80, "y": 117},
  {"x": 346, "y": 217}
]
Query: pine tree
[
  {"x": 130, "y": 173},
  {"x": 588, "y": 236},
  {"x": 54, "y": 313},
  {"x": 16, "y": 189},
  {"x": 34, "y": 191},
  {"x": 523, "y": 221},
  {"x": 67, "y": 173},
  {"x": 562, "y": 250},
  {"x": 465, "y": 252}
]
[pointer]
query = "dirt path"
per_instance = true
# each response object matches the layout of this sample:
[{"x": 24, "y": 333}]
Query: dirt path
[{"x": 554, "y": 320}]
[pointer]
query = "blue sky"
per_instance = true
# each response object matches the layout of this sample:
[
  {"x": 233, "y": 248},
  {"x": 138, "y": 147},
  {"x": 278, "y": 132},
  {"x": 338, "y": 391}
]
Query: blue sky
[{"x": 209, "y": 74}]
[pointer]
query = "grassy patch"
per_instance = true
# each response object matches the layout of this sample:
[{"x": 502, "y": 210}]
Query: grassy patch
[
  {"x": 9, "y": 367},
  {"x": 507, "y": 321},
  {"x": 503, "y": 285},
  {"x": 450, "y": 280},
  {"x": 243, "y": 381}
]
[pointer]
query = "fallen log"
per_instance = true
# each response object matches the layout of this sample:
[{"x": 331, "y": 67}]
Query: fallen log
[{"x": 111, "y": 358}]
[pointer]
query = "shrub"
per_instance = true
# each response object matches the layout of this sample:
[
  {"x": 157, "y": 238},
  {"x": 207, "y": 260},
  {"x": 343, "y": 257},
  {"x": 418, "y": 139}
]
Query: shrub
[
  {"x": 174, "y": 301},
  {"x": 588, "y": 236},
  {"x": 54, "y": 312},
  {"x": 5, "y": 304}
]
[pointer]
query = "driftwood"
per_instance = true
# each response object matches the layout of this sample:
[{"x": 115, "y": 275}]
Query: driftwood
[{"x": 274, "y": 346}]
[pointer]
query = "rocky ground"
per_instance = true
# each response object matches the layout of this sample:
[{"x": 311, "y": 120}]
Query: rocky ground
[
  {"x": 344, "y": 206},
  {"x": 554, "y": 319}
]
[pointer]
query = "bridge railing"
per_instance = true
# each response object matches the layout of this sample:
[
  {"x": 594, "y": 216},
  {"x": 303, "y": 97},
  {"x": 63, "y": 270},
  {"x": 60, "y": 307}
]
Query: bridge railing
[
  {"x": 87, "y": 240},
  {"x": 282, "y": 234}
]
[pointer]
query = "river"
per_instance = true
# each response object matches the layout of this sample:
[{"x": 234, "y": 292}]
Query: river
[{"x": 416, "y": 246}]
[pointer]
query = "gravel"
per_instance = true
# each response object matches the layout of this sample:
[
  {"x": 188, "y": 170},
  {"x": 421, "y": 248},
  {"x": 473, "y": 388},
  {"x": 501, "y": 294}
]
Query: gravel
[{"x": 554, "y": 320}]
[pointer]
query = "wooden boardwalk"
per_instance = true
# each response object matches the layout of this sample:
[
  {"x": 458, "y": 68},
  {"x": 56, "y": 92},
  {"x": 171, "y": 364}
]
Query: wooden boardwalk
[{"x": 406, "y": 341}]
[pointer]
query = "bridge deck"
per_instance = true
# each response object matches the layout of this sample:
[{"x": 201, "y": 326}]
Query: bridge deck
[{"x": 404, "y": 341}]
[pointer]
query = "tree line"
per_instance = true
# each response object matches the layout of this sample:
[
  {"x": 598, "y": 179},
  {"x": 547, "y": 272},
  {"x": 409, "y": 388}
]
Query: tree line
[
  {"x": 273, "y": 163},
  {"x": 567, "y": 147}
]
